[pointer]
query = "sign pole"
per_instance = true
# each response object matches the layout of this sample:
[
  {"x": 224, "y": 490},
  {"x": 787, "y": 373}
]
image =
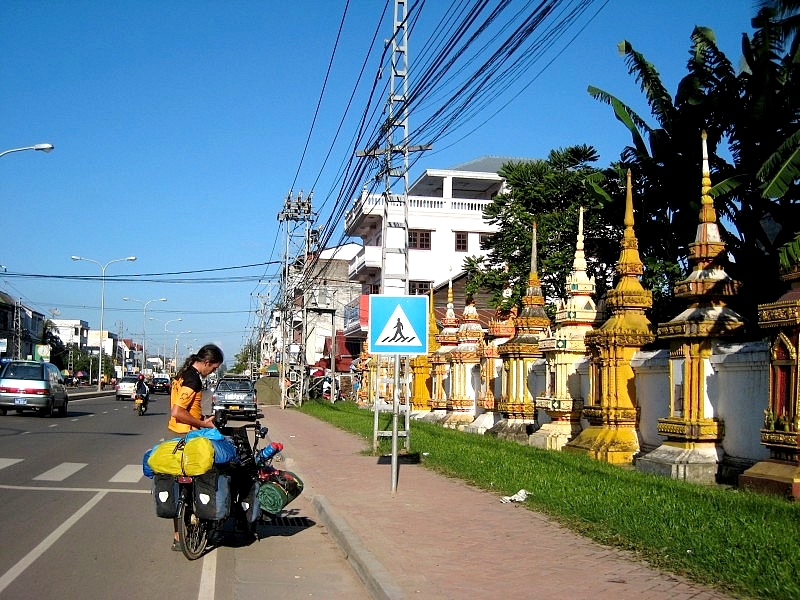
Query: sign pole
[{"x": 395, "y": 415}]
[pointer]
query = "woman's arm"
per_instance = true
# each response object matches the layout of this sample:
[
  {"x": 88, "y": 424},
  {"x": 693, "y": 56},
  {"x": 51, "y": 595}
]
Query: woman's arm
[{"x": 184, "y": 416}]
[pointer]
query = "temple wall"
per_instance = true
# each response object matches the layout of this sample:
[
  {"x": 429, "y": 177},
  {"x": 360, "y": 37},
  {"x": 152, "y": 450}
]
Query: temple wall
[
  {"x": 739, "y": 392},
  {"x": 652, "y": 391},
  {"x": 537, "y": 383}
]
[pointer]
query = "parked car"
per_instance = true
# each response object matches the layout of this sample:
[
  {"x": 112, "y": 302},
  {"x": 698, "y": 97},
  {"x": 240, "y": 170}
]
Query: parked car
[
  {"x": 125, "y": 387},
  {"x": 235, "y": 397},
  {"x": 160, "y": 385},
  {"x": 33, "y": 385}
]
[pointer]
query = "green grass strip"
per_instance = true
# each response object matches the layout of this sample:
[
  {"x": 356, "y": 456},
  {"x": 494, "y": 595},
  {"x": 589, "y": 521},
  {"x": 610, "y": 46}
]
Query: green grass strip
[{"x": 743, "y": 543}]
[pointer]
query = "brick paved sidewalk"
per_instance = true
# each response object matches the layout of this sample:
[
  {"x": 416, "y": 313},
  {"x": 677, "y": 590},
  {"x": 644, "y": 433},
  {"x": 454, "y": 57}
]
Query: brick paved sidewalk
[{"x": 438, "y": 538}]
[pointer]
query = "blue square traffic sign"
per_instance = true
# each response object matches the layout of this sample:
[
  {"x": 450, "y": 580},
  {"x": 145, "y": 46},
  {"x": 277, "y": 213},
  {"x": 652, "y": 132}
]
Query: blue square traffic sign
[{"x": 398, "y": 325}]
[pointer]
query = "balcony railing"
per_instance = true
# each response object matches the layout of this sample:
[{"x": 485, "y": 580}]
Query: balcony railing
[
  {"x": 369, "y": 257},
  {"x": 372, "y": 205}
]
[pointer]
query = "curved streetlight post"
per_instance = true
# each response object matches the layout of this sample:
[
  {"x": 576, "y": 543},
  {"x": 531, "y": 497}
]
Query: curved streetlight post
[
  {"x": 102, "y": 304},
  {"x": 40, "y": 147},
  {"x": 144, "y": 325}
]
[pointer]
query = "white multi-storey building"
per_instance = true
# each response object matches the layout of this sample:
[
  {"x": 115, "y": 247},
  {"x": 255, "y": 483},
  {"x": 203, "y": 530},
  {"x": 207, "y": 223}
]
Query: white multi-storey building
[
  {"x": 445, "y": 225},
  {"x": 72, "y": 331}
]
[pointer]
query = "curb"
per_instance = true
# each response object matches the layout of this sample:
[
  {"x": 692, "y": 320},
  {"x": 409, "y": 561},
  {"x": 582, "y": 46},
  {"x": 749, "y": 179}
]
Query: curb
[{"x": 377, "y": 580}]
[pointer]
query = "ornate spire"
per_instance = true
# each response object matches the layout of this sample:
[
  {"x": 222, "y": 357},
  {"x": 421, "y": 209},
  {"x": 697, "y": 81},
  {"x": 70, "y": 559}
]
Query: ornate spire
[
  {"x": 707, "y": 253},
  {"x": 579, "y": 308},
  {"x": 433, "y": 330},
  {"x": 628, "y": 294},
  {"x": 450, "y": 319},
  {"x": 533, "y": 322}
]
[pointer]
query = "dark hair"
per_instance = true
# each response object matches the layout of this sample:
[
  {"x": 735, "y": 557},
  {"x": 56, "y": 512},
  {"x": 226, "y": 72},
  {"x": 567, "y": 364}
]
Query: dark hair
[{"x": 209, "y": 352}]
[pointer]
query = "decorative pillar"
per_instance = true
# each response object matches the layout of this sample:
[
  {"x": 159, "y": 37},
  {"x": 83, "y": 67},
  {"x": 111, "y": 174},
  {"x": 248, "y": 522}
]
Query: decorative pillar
[
  {"x": 694, "y": 433},
  {"x": 518, "y": 354},
  {"x": 611, "y": 407},
  {"x": 465, "y": 367},
  {"x": 421, "y": 365},
  {"x": 447, "y": 340},
  {"x": 364, "y": 377},
  {"x": 563, "y": 400},
  {"x": 501, "y": 329}
]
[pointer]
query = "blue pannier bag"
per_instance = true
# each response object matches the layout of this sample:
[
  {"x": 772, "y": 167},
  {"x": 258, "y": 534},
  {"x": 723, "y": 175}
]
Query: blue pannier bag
[
  {"x": 148, "y": 472},
  {"x": 224, "y": 450}
]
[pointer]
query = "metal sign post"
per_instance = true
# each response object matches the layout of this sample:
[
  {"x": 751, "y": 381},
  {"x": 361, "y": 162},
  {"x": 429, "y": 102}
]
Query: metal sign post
[{"x": 398, "y": 325}]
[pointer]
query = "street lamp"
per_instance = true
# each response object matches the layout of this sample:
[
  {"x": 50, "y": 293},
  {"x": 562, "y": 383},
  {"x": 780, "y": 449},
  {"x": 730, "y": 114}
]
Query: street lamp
[
  {"x": 167, "y": 322},
  {"x": 102, "y": 296},
  {"x": 144, "y": 325},
  {"x": 177, "y": 335},
  {"x": 40, "y": 147}
]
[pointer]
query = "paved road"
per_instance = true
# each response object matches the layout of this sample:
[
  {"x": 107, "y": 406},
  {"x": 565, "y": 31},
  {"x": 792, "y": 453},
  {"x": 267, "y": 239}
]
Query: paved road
[{"x": 78, "y": 521}]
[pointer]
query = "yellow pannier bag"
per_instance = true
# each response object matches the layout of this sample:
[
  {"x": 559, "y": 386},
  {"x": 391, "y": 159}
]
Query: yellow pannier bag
[{"x": 180, "y": 456}]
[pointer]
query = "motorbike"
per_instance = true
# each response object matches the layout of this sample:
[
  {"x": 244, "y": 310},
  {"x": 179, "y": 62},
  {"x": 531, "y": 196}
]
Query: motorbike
[
  {"x": 194, "y": 531},
  {"x": 140, "y": 403}
]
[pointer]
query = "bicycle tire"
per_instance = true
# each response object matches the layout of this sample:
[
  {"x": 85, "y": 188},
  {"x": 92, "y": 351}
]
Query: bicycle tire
[{"x": 192, "y": 531}]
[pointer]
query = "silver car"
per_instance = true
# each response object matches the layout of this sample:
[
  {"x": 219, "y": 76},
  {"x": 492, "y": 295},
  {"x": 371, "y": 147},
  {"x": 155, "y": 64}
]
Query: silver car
[
  {"x": 235, "y": 397},
  {"x": 33, "y": 385}
]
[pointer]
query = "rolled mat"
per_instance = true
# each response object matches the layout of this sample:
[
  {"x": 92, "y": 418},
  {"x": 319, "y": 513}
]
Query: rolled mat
[
  {"x": 272, "y": 498},
  {"x": 278, "y": 490}
]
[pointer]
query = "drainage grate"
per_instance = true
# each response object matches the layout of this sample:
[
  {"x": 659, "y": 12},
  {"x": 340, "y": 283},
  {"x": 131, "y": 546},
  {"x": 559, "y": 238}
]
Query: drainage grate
[{"x": 302, "y": 522}]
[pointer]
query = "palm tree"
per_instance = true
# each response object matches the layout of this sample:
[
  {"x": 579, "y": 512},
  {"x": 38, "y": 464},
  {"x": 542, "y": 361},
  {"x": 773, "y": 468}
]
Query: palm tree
[{"x": 752, "y": 123}]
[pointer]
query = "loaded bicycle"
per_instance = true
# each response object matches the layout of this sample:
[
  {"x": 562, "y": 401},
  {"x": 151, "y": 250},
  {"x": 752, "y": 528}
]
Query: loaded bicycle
[{"x": 245, "y": 488}]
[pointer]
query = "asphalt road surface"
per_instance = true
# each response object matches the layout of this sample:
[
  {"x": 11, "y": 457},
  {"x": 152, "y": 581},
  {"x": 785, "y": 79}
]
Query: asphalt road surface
[{"x": 78, "y": 520}]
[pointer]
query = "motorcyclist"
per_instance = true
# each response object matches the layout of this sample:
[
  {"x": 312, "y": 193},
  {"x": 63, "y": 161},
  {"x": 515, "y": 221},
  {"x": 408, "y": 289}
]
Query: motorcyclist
[{"x": 142, "y": 390}]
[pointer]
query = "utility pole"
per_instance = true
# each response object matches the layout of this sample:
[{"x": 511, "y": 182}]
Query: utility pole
[
  {"x": 17, "y": 329},
  {"x": 296, "y": 216},
  {"x": 394, "y": 231}
]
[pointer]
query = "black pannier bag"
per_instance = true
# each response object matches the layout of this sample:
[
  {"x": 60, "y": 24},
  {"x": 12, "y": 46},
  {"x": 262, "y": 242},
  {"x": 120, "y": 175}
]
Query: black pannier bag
[
  {"x": 212, "y": 495},
  {"x": 248, "y": 502},
  {"x": 165, "y": 495}
]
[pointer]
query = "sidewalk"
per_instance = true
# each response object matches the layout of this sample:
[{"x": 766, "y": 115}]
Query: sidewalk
[{"x": 437, "y": 538}]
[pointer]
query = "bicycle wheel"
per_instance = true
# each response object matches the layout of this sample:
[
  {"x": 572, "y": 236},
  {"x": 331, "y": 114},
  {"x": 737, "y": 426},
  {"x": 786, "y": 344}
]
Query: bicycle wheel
[{"x": 192, "y": 531}]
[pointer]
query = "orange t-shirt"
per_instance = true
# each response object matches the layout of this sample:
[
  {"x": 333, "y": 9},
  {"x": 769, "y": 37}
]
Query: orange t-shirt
[{"x": 187, "y": 391}]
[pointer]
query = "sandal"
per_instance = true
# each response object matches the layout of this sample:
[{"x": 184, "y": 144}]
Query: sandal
[{"x": 177, "y": 546}]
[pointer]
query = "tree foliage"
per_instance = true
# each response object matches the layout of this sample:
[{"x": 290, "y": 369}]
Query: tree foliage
[
  {"x": 246, "y": 358},
  {"x": 548, "y": 192},
  {"x": 751, "y": 118}
]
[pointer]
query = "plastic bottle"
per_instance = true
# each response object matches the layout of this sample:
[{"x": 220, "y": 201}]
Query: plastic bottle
[{"x": 270, "y": 451}]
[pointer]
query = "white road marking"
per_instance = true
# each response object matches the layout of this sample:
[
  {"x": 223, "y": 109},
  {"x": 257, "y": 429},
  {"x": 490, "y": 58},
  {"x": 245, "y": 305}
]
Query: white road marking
[
  {"x": 128, "y": 474},
  {"x": 208, "y": 577},
  {"x": 61, "y": 472},
  {"x": 7, "y": 462},
  {"x": 40, "y": 488},
  {"x": 27, "y": 560}
]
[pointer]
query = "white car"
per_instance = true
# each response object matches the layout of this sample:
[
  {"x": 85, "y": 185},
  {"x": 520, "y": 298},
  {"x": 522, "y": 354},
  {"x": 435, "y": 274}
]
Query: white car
[{"x": 125, "y": 387}]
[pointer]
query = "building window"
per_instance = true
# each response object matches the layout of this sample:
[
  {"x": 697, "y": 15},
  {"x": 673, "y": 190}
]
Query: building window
[
  {"x": 419, "y": 239},
  {"x": 418, "y": 288},
  {"x": 461, "y": 241},
  {"x": 484, "y": 239}
]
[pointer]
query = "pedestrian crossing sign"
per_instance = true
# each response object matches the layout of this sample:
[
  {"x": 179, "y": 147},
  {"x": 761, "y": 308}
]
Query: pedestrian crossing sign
[{"x": 398, "y": 324}]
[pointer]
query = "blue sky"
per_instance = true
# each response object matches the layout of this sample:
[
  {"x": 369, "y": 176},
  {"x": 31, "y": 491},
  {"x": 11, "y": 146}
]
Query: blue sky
[{"x": 180, "y": 127}]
